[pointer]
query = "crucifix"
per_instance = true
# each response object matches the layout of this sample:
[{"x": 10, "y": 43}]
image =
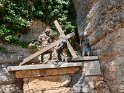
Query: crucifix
[
  {"x": 53, "y": 45},
  {"x": 62, "y": 34}
]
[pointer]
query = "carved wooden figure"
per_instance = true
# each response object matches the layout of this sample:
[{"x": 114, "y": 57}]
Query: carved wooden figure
[
  {"x": 51, "y": 45},
  {"x": 60, "y": 51},
  {"x": 85, "y": 46},
  {"x": 44, "y": 41}
]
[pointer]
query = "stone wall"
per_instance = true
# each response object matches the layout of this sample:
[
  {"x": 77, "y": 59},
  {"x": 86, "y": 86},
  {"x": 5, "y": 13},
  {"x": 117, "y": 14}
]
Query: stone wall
[
  {"x": 105, "y": 29},
  {"x": 13, "y": 55}
]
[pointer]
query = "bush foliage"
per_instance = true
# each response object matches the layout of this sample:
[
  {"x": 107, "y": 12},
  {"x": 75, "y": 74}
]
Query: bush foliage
[{"x": 16, "y": 15}]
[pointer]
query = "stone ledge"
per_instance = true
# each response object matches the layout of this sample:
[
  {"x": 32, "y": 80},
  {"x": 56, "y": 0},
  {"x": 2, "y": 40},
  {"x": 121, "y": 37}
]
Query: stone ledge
[
  {"x": 84, "y": 58},
  {"x": 43, "y": 66},
  {"x": 47, "y": 72}
]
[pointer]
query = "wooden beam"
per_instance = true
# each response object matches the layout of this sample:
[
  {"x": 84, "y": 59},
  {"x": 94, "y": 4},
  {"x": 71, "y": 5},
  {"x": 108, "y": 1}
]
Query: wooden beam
[
  {"x": 74, "y": 55},
  {"x": 63, "y": 35},
  {"x": 43, "y": 66},
  {"x": 44, "y": 49},
  {"x": 40, "y": 52},
  {"x": 59, "y": 28}
]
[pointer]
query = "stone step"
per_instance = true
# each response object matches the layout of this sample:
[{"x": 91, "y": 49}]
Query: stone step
[
  {"x": 44, "y": 66},
  {"x": 81, "y": 59},
  {"x": 91, "y": 68}
]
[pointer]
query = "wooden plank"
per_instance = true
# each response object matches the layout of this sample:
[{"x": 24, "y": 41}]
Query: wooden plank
[
  {"x": 44, "y": 66},
  {"x": 92, "y": 68},
  {"x": 46, "y": 72},
  {"x": 40, "y": 52},
  {"x": 71, "y": 50},
  {"x": 44, "y": 49},
  {"x": 63, "y": 35},
  {"x": 59, "y": 28}
]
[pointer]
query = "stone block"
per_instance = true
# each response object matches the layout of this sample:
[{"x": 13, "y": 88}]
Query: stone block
[{"x": 92, "y": 68}]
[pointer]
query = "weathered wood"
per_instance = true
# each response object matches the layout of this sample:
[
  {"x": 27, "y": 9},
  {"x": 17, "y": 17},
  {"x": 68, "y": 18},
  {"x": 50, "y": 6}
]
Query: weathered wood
[
  {"x": 46, "y": 72},
  {"x": 43, "y": 66},
  {"x": 63, "y": 35},
  {"x": 40, "y": 52},
  {"x": 44, "y": 49},
  {"x": 71, "y": 50},
  {"x": 92, "y": 68},
  {"x": 61, "y": 32}
]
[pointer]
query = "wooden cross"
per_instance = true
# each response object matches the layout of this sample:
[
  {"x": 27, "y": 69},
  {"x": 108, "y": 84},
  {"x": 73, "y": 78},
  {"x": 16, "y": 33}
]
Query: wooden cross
[
  {"x": 52, "y": 45},
  {"x": 62, "y": 34}
]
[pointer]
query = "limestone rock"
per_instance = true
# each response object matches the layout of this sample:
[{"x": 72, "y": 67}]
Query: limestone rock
[{"x": 105, "y": 28}]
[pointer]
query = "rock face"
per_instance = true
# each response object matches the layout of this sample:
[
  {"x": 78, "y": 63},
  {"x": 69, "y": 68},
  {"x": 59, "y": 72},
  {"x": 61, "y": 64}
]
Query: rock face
[
  {"x": 89, "y": 84},
  {"x": 8, "y": 83},
  {"x": 82, "y": 8},
  {"x": 105, "y": 29},
  {"x": 36, "y": 28},
  {"x": 11, "y": 56},
  {"x": 103, "y": 21},
  {"x": 82, "y": 85}
]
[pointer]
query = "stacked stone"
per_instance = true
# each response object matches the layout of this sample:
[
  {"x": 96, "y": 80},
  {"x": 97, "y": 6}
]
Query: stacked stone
[{"x": 50, "y": 84}]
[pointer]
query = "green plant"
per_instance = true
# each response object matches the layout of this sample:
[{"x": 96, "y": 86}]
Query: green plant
[
  {"x": 2, "y": 49},
  {"x": 15, "y": 16}
]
